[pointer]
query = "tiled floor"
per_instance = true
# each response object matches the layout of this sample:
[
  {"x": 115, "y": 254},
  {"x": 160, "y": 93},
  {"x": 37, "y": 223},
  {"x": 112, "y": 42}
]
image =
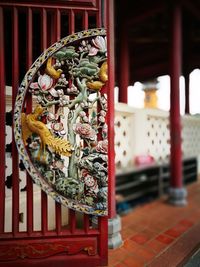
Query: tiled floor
[{"x": 159, "y": 234}]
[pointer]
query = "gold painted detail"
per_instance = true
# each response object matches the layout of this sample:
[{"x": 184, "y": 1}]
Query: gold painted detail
[
  {"x": 31, "y": 124},
  {"x": 103, "y": 77},
  {"x": 51, "y": 71}
]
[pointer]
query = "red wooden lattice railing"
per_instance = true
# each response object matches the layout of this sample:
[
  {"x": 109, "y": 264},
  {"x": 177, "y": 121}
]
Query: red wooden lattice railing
[{"x": 26, "y": 29}]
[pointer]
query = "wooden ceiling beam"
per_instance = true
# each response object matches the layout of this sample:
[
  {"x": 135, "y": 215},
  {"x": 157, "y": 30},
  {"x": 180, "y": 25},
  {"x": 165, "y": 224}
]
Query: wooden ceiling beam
[
  {"x": 193, "y": 8},
  {"x": 153, "y": 70},
  {"x": 145, "y": 14}
]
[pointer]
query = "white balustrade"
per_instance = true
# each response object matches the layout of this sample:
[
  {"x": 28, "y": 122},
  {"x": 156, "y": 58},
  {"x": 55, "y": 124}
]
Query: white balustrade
[{"x": 146, "y": 132}]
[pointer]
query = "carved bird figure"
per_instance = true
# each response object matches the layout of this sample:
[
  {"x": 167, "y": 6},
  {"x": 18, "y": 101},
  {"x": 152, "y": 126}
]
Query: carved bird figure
[
  {"x": 103, "y": 77},
  {"x": 51, "y": 70},
  {"x": 31, "y": 124},
  {"x": 103, "y": 73}
]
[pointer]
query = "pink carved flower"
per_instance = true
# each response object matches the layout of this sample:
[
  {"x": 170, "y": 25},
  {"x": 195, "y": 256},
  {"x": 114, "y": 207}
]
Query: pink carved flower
[
  {"x": 58, "y": 126},
  {"x": 84, "y": 173},
  {"x": 93, "y": 51},
  {"x": 85, "y": 130},
  {"x": 58, "y": 164},
  {"x": 105, "y": 129},
  {"x": 44, "y": 83},
  {"x": 102, "y": 146},
  {"x": 94, "y": 189},
  {"x": 89, "y": 181},
  {"x": 100, "y": 44}
]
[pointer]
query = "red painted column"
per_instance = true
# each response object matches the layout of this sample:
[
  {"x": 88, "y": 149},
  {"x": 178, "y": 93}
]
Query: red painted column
[
  {"x": 176, "y": 194},
  {"x": 187, "y": 93},
  {"x": 114, "y": 222},
  {"x": 2, "y": 122},
  {"x": 111, "y": 83},
  {"x": 124, "y": 63}
]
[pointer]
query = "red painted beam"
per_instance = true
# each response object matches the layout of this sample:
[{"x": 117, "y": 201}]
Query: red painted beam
[
  {"x": 29, "y": 61},
  {"x": 2, "y": 122},
  {"x": 44, "y": 29},
  {"x": 192, "y": 7},
  {"x": 85, "y": 20},
  {"x": 44, "y": 200},
  {"x": 175, "y": 120},
  {"x": 15, "y": 160},
  {"x": 80, "y": 5},
  {"x": 145, "y": 13},
  {"x": 57, "y": 26},
  {"x": 111, "y": 84},
  {"x": 146, "y": 72},
  {"x": 72, "y": 22},
  {"x": 124, "y": 66}
]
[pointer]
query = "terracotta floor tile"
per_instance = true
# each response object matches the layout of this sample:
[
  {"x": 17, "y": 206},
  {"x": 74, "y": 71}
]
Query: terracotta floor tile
[
  {"x": 176, "y": 231},
  {"x": 128, "y": 233},
  {"x": 121, "y": 264},
  {"x": 133, "y": 261},
  {"x": 149, "y": 233},
  {"x": 131, "y": 246},
  {"x": 186, "y": 222},
  {"x": 156, "y": 227},
  {"x": 149, "y": 230},
  {"x": 173, "y": 233},
  {"x": 140, "y": 238},
  {"x": 164, "y": 239},
  {"x": 145, "y": 254},
  {"x": 138, "y": 226},
  {"x": 156, "y": 246},
  {"x": 117, "y": 255}
]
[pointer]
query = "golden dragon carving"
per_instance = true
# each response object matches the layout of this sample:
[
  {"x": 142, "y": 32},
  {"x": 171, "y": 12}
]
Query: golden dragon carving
[{"x": 31, "y": 124}]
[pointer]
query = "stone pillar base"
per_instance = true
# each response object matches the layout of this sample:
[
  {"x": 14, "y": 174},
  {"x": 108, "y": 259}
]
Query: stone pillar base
[
  {"x": 114, "y": 228},
  {"x": 177, "y": 196},
  {"x": 114, "y": 236}
]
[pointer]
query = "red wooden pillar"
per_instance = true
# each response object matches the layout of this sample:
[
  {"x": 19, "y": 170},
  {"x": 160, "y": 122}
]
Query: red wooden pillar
[
  {"x": 114, "y": 222},
  {"x": 2, "y": 122},
  {"x": 187, "y": 93},
  {"x": 124, "y": 62},
  {"x": 111, "y": 82},
  {"x": 177, "y": 193}
]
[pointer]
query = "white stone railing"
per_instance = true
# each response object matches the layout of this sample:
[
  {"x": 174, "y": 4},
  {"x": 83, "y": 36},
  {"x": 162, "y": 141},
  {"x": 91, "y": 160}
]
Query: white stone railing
[{"x": 146, "y": 132}]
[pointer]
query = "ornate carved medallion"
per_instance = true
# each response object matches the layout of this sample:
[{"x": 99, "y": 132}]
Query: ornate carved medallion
[{"x": 63, "y": 141}]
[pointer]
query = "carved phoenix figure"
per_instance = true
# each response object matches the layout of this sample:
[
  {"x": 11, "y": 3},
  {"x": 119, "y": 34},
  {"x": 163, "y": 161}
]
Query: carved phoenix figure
[{"x": 31, "y": 124}]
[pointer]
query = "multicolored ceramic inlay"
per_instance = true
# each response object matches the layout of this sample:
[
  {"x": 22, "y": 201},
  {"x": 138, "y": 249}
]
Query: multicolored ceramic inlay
[{"x": 63, "y": 141}]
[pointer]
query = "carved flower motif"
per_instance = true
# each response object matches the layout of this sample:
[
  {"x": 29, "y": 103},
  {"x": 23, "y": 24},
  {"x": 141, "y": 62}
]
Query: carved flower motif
[
  {"x": 102, "y": 146},
  {"x": 85, "y": 130},
  {"x": 44, "y": 83},
  {"x": 100, "y": 44},
  {"x": 89, "y": 181},
  {"x": 105, "y": 129},
  {"x": 84, "y": 173},
  {"x": 52, "y": 117},
  {"x": 58, "y": 126},
  {"x": 93, "y": 51},
  {"x": 95, "y": 188},
  {"x": 34, "y": 145},
  {"x": 58, "y": 164}
]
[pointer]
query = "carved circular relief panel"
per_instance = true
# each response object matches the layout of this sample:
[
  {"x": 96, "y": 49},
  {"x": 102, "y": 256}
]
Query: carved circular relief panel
[{"x": 63, "y": 139}]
